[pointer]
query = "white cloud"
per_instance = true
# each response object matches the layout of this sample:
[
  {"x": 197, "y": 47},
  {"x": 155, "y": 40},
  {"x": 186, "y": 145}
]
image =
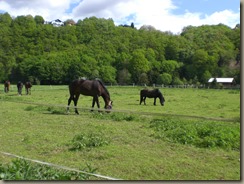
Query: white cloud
[
  {"x": 225, "y": 17},
  {"x": 46, "y": 8},
  {"x": 140, "y": 12}
]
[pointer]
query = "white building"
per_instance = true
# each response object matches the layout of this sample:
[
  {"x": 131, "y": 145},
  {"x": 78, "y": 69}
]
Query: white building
[
  {"x": 57, "y": 23},
  {"x": 227, "y": 82}
]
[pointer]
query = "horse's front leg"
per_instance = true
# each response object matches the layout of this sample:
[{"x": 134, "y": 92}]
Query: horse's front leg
[
  {"x": 144, "y": 100},
  {"x": 95, "y": 100},
  {"x": 154, "y": 101},
  {"x": 19, "y": 92},
  {"x": 98, "y": 104}
]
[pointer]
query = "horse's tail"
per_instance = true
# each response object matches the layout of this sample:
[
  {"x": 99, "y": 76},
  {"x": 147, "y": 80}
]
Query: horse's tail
[{"x": 71, "y": 87}]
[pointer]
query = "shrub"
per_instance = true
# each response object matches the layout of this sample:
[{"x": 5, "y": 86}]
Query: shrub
[
  {"x": 200, "y": 134},
  {"x": 165, "y": 78}
]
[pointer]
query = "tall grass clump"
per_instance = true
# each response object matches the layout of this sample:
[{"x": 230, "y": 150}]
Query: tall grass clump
[
  {"x": 200, "y": 134},
  {"x": 91, "y": 140},
  {"x": 20, "y": 169}
]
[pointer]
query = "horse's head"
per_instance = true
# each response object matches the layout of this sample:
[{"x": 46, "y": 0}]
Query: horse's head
[
  {"x": 162, "y": 100},
  {"x": 109, "y": 106}
]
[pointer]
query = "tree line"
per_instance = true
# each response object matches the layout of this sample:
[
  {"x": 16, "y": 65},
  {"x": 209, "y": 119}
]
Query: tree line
[{"x": 97, "y": 48}]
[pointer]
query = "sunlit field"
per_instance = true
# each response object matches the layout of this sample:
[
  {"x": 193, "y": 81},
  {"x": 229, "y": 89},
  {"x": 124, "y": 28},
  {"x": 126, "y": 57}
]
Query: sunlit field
[{"x": 194, "y": 136}]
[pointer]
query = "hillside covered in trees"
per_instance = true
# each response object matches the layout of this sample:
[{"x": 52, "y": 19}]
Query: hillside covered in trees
[{"x": 96, "y": 48}]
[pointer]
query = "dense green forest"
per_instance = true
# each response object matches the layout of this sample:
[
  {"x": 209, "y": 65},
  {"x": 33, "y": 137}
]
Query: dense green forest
[{"x": 97, "y": 48}]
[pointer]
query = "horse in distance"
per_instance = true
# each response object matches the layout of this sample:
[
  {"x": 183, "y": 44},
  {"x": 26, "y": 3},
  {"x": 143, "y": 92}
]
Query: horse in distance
[
  {"x": 28, "y": 86},
  {"x": 6, "y": 86},
  {"x": 19, "y": 87},
  {"x": 155, "y": 93},
  {"x": 94, "y": 88}
]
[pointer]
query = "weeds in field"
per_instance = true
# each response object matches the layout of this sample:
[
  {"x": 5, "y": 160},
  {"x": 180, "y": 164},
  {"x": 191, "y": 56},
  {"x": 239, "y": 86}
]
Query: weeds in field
[
  {"x": 200, "y": 134},
  {"x": 116, "y": 116},
  {"x": 82, "y": 141},
  {"x": 20, "y": 169},
  {"x": 35, "y": 108}
]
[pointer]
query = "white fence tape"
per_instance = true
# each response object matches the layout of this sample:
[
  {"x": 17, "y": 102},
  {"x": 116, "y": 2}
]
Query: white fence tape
[{"x": 60, "y": 167}]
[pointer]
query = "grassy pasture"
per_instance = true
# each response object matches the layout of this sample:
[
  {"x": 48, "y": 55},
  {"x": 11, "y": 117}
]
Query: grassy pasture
[{"x": 136, "y": 142}]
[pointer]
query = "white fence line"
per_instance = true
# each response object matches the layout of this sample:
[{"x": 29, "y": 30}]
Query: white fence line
[
  {"x": 129, "y": 111},
  {"x": 59, "y": 166},
  {"x": 200, "y": 86}
]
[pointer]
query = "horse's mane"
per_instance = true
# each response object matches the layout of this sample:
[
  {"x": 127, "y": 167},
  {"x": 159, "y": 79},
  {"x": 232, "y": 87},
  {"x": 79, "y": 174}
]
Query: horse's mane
[{"x": 103, "y": 86}]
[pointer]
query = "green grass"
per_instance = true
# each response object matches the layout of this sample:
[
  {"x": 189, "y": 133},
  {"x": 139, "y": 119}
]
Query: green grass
[
  {"x": 195, "y": 136},
  {"x": 20, "y": 169}
]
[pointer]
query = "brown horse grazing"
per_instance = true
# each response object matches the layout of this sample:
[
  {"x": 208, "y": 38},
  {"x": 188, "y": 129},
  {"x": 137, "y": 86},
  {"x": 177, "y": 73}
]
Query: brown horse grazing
[
  {"x": 155, "y": 93},
  {"x": 6, "y": 86},
  {"x": 28, "y": 86},
  {"x": 94, "y": 88},
  {"x": 19, "y": 87}
]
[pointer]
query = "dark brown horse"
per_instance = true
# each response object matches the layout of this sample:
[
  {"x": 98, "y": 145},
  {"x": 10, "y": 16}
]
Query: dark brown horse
[
  {"x": 94, "y": 88},
  {"x": 19, "y": 87},
  {"x": 6, "y": 86},
  {"x": 155, "y": 93},
  {"x": 28, "y": 86}
]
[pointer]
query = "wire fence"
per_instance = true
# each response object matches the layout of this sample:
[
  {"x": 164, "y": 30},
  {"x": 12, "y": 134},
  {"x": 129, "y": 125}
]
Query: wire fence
[
  {"x": 59, "y": 166},
  {"x": 13, "y": 87},
  {"x": 196, "y": 86},
  {"x": 129, "y": 111}
]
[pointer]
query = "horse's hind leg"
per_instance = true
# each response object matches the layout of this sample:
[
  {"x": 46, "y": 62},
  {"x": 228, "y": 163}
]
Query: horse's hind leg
[
  {"x": 69, "y": 101},
  {"x": 141, "y": 99},
  {"x": 75, "y": 103}
]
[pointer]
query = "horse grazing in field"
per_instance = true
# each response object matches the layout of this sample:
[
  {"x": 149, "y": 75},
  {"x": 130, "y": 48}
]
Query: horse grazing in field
[
  {"x": 28, "y": 86},
  {"x": 6, "y": 86},
  {"x": 19, "y": 87},
  {"x": 155, "y": 93},
  {"x": 94, "y": 88}
]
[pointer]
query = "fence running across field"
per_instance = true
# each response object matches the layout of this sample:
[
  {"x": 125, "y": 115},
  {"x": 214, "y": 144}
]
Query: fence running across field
[
  {"x": 128, "y": 111},
  {"x": 59, "y": 166}
]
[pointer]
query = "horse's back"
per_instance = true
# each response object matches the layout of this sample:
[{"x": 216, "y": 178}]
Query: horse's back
[
  {"x": 150, "y": 93},
  {"x": 6, "y": 83},
  {"x": 19, "y": 84},
  {"x": 80, "y": 86},
  {"x": 28, "y": 85},
  {"x": 87, "y": 87}
]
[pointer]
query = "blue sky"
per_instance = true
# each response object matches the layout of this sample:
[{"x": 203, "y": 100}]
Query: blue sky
[
  {"x": 206, "y": 6},
  {"x": 164, "y": 15}
]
